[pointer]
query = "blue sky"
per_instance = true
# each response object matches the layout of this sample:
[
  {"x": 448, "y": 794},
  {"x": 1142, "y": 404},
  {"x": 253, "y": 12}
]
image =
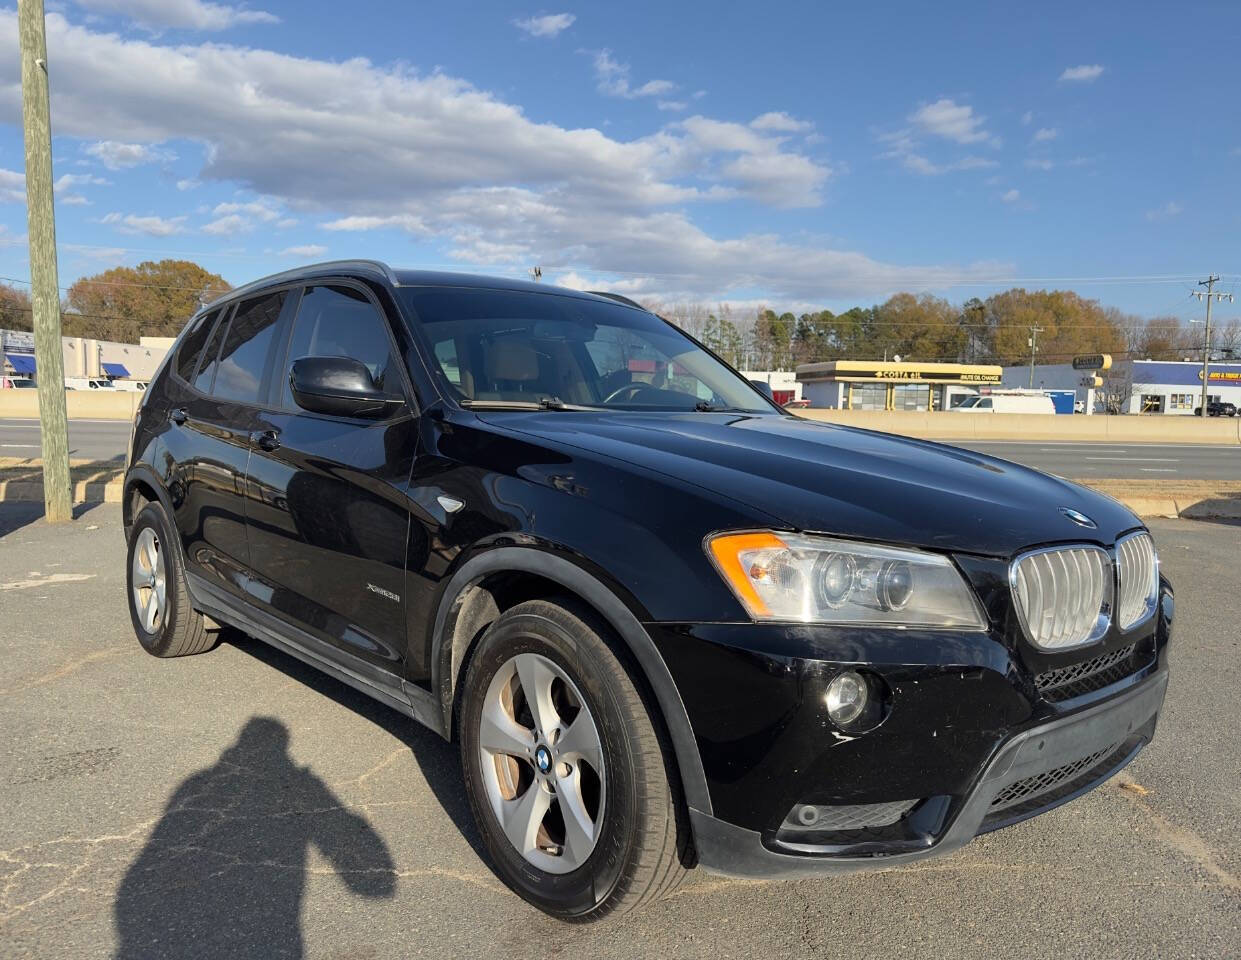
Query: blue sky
[{"x": 788, "y": 153}]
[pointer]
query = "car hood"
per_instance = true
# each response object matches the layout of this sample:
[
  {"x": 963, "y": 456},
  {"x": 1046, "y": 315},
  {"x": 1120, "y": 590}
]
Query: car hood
[{"x": 842, "y": 480}]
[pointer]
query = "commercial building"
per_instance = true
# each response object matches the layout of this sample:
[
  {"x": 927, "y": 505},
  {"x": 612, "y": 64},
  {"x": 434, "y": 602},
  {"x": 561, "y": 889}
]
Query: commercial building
[
  {"x": 783, "y": 383},
  {"x": 86, "y": 357},
  {"x": 1137, "y": 386},
  {"x": 884, "y": 385}
]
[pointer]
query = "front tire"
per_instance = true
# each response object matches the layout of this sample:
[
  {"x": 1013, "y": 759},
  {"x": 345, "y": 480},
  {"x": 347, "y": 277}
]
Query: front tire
[
  {"x": 564, "y": 768},
  {"x": 159, "y": 601}
]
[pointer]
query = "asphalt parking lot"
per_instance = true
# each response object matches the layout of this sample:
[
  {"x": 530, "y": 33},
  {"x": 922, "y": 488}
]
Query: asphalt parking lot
[{"x": 239, "y": 804}]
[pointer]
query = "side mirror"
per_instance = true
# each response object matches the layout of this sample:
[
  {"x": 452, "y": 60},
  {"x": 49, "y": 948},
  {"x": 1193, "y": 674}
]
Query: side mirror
[
  {"x": 341, "y": 387},
  {"x": 764, "y": 388}
]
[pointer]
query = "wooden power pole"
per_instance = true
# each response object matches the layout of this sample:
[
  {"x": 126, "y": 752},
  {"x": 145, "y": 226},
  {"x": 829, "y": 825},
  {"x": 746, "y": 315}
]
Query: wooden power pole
[{"x": 44, "y": 280}]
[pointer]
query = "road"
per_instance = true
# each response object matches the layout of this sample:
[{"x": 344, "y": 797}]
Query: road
[
  {"x": 1098, "y": 461},
  {"x": 107, "y": 439},
  {"x": 88, "y": 439},
  {"x": 239, "y": 804}
]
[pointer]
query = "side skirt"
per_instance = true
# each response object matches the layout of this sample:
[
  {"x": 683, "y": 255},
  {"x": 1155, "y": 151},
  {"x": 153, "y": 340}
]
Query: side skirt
[{"x": 364, "y": 677}]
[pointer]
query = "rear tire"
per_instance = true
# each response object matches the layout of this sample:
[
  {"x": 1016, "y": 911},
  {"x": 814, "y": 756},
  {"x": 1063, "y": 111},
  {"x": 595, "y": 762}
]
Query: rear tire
[
  {"x": 636, "y": 850},
  {"x": 159, "y": 600}
]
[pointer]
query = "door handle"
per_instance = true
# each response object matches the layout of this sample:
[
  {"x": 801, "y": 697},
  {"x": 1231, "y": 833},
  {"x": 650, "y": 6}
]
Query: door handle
[
  {"x": 178, "y": 415},
  {"x": 266, "y": 439}
]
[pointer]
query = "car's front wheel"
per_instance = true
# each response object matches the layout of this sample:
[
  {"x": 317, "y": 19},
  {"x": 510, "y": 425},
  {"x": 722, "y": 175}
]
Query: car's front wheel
[{"x": 564, "y": 767}]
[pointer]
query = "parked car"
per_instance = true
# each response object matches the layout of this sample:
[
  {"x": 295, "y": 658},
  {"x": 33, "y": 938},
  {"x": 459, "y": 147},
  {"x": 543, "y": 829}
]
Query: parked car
[
  {"x": 1006, "y": 403},
  {"x": 667, "y": 622},
  {"x": 1217, "y": 408},
  {"x": 87, "y": 383},
  {"x": 16, "y": 383},
  {"x": 796, "y": 404},
  {"x": 132, "y": 386}
]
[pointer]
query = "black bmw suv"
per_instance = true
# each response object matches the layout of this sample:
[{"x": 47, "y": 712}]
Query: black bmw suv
[{"x": 668, "y": 622}]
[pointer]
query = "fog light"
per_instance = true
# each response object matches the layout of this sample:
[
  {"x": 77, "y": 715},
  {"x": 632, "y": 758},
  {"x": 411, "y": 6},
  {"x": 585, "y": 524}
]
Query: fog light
[{"x": 846, "y": 698}]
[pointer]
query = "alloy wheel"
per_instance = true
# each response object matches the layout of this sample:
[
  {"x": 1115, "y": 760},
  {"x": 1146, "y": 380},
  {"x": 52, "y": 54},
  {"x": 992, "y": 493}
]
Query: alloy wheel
[
  {"x": 542, "y": 763},
  {"x": 150, "y": 596}
]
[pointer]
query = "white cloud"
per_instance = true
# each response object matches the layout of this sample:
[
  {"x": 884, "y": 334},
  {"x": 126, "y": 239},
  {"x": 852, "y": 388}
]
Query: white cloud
[
  {"x": 308, "y": 250},
  {"x": 12, "y": 186},
  {"x": 1044, "y": 134},
  {"x": 903, "y": 146},
  {"x": 407, "y": 222},
  {"x": 370, "y": 147},
  {"x": 228, "y": 226},
  {"x": 551, "y": 25},
  {"x": 67, "y": 180},
  {"x": 117, "y": 156},
  {"x": 179, "y": 14},
  {"x": 1039, "y": 163},
  {"x": 953, "y": 121},
  {"x": 257, "y": 209},
  {"x": 91, "y": 252},
  {"x": 74, "y": 200},
  {"x": 672, "y": 105},
  {"x": 189, "y": 184},
  {"x": 777, "y": 121},
  {"x": 612, "y": 79},
  {"x": 151, "y": 225},
  {"x": 1087, "y": 73},
  {"x": 1011, "y": 196},
  {"x": 1166, "y": 212},
  {"x": 1027, "y": 118},
  {"x": 242, "y": 216}
]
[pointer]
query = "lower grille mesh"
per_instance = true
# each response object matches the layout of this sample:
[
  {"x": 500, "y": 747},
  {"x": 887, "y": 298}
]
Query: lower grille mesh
[
  {"x": 858, "y": 816},
  {"x": 1096, "y": 673},
  {"x": 1021, "y": 790}
]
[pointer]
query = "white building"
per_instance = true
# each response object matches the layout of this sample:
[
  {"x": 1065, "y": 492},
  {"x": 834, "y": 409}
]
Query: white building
[
  {"x": 783, "y": 383},
  {"x": 86, "y": 357},
  {"x": 1138, "y": 386}
]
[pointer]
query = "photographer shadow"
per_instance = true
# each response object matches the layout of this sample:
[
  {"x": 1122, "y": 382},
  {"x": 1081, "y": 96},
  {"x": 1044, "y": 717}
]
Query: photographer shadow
[{"x": 223, "y": 873}]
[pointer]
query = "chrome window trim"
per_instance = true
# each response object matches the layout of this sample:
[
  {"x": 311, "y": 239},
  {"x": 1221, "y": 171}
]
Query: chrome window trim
[
  {"x": 1154, "y": 604},
  {"x": 1103, "y": 622}
]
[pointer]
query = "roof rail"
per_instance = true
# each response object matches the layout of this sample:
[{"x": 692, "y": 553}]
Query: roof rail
[
  {"x": 619, "y": 298},
  {"x": 309, "y": 270}
]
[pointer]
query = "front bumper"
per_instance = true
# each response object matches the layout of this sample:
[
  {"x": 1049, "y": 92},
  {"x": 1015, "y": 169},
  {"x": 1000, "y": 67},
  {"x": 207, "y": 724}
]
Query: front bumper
[{"x": 1111, "y": 732}]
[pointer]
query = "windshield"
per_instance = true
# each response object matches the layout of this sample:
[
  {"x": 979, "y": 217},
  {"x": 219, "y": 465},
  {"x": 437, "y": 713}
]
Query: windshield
[
  {"x": 969, "y": 402},
  {"x": 498, "y": 346}
]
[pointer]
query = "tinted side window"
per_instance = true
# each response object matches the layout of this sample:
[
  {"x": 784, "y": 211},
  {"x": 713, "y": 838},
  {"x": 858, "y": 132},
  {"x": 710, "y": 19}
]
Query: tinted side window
[
  {"x": 206, "y": 371},
  {"x": 340, "y": 322},
  {"x": 244, "y": 356},
  {"x": 192, "y": 344}
]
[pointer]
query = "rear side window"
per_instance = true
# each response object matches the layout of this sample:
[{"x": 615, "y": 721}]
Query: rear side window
[
  {"x": 192, "y": 345},
  {"x": 337, "y": 321},
  {"x": 244, "y": 357},
  {"x": 206, "y": 370}
]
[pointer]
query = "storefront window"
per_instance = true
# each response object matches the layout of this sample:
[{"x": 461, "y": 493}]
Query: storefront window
[
  {"x": 1152, "y": 403},
  {"x": 911, "y": 396},
  {"x": 869, "y": 396}
]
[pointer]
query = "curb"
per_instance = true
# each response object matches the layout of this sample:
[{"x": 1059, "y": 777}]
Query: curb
[{"x": 84, "y": 491}]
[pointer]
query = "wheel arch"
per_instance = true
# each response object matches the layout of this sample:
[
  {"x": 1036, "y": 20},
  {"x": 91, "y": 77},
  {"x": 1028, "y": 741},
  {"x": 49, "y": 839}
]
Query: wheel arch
[
  {"x": 142, "y": 483},
  {"x": 467, "y": 606}
]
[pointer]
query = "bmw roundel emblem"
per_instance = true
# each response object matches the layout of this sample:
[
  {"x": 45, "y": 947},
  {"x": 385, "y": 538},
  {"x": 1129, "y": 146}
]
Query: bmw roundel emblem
[{"x": 1078, "y": 518}]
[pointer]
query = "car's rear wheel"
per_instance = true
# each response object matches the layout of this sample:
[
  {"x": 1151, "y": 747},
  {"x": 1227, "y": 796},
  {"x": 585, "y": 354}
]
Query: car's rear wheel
[
  {"x": 564, "y": 767},
  {"x": 159, "y": 601}
]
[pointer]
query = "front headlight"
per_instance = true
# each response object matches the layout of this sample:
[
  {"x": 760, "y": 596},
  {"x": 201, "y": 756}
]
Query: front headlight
[{"x": 822, "y": 580}]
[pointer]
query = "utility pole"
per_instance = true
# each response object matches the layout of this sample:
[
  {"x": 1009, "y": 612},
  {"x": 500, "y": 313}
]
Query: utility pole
[
  {"x": 1034, "y": 332},
  {"x": 1210, "y": 295},
  {"x": 44, "y": 281}
]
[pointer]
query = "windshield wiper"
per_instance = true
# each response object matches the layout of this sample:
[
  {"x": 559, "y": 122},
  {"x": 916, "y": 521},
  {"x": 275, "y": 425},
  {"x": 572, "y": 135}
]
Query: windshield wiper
[
  {"x": 543, "y": 403},
  {"x": 706, "y": 406}
]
